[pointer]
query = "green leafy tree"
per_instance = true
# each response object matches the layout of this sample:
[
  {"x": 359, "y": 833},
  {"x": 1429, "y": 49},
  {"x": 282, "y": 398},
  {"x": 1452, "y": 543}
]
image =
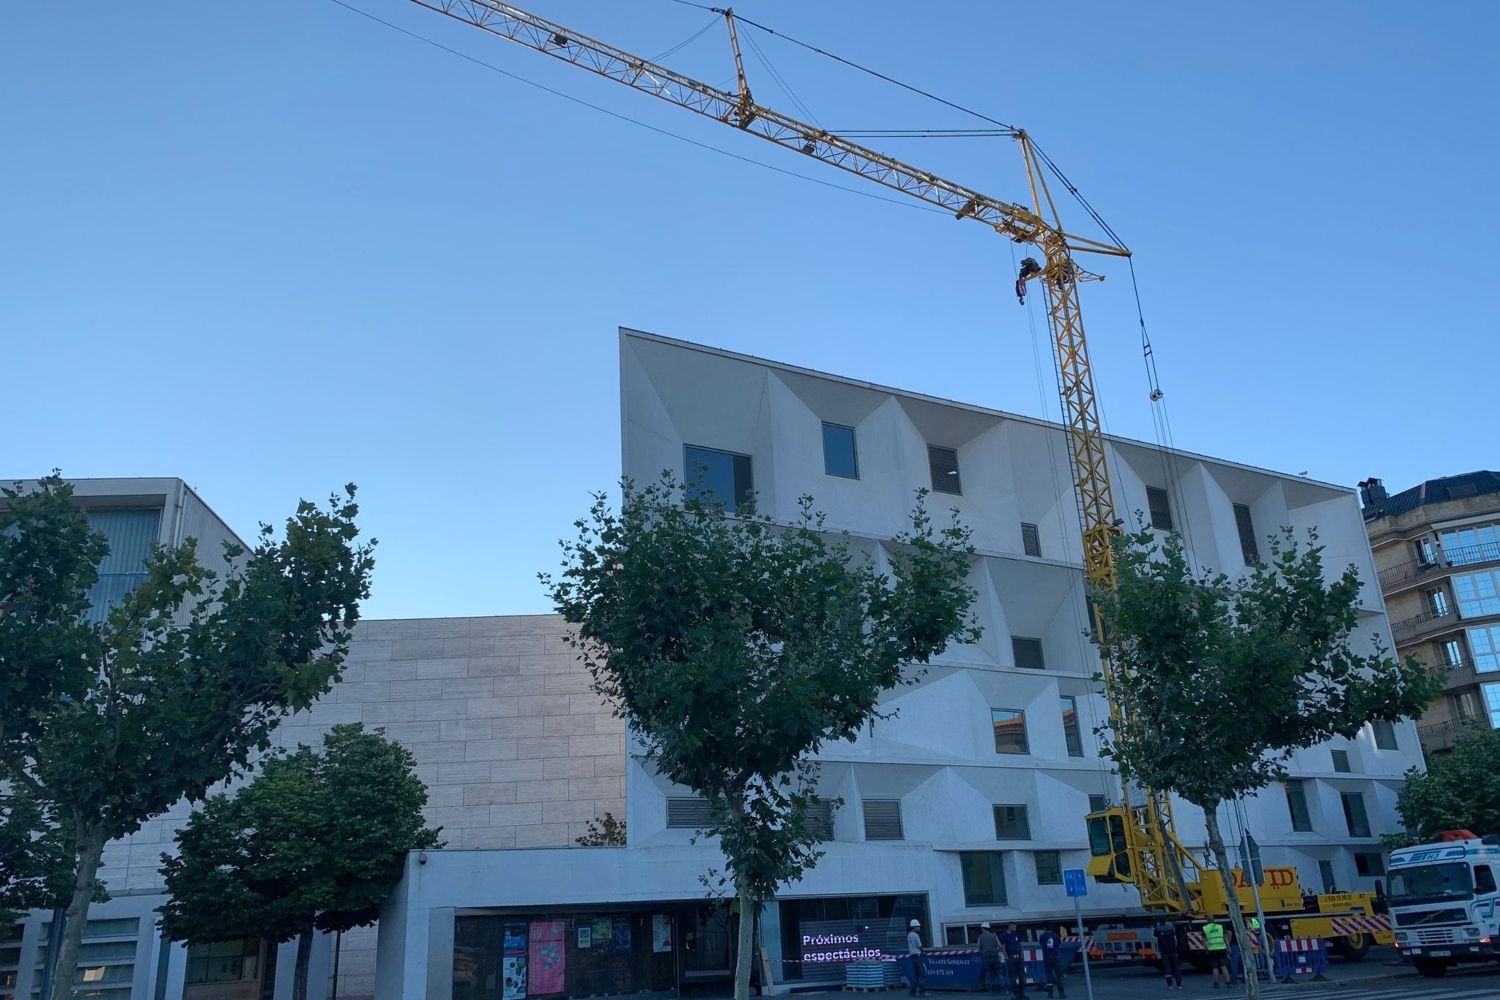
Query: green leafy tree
[
  {"x": 607, "y": 831},
  {"x": 36, "y": 859},
  {"x": 107, "y": 724},
  {"x": 315, "y": 842},
  {"x": 735, "y": 647},
  {"x": 1459, "y": 791},
  {"x": 1220, "y": 681}
]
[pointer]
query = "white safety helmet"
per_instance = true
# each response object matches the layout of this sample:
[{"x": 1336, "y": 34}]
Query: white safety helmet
[{"x": 915, "y": 923}]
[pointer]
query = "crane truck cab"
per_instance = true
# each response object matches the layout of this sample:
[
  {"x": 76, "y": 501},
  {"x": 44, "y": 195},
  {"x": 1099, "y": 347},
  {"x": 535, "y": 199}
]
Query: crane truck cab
[{"x": 1444, "y": 900}]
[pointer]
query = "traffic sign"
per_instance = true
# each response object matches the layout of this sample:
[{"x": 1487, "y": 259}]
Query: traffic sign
[{"x": 1073, "y": 882}]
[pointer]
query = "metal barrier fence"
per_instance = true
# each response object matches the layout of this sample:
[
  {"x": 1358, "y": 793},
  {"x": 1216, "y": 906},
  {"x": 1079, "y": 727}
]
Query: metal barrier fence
[{"x": 1300, "y": 958}]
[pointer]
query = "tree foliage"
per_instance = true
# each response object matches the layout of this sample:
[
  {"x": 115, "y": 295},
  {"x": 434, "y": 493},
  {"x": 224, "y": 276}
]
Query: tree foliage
[
  {"x": 606, "y": 831},
  {"x": 107, "y": 724},
  {"x": 1459, "y": 791},
  {"x": 1221, "y": 680},
  {"x": 316, "y": 841},
  {"x": 36, "y": 857},
  {"x": 736, "y": 647}
]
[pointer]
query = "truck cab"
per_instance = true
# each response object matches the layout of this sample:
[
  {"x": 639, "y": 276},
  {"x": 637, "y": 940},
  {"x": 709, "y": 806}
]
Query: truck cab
[{"x": 1444, "y": 898}]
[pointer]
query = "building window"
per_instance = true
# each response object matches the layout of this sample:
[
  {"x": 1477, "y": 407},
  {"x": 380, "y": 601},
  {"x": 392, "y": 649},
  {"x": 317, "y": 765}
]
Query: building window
[
  {"x": 1485, "y": 642},
  {"x": 1340, "y": 760},
  {"x": 1031, "y": 540},
  {"x": 883, "y": 819},
  {"x": 839, "y": 455},
  {"x": 223, "y": 962},
  {"x": 820, "y": 819},
  {"x": 1478, "y": 593},
  {"x": 1385, "y": 735},
  {"x": 1160, "y": 507},
  {"x": 1422, "y": 547},
  {"x": 1464, "y": 705},
  {"x": 716, "y": 477},
  {"x": 1369, "y": 863},
  {"x": 1472, "y": 545},
  {"x": 689, "y": 812},
  {"x": 1354, "y": 814},
  {"x": 1048, "y": 867},
  {"x": 1098, "y": 803},
  {"x": 1325, "y": 872},
  {"x": 1248, "y": 549},
  {"x": 1296, "y": 803},
  {"x": 1010, "y": 730},
  {"x": 1437, "y": 602},
  {"x": 1072, "y": 735},
  {"x": 984, "y": 878},
  {"x": 1491, "y": 693},
  {"x": 1011, "y": 823},
  {"x": 1453, "y": 653},
  {"x": 1028, "y": 653},
  {"x": 943, "y": 464},
  {"x": 106, "y": 958}
]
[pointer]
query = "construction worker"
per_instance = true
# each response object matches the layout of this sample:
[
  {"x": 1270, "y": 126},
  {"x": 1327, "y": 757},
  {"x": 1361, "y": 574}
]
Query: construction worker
[
  {"x": 989, "y": 958},
  {"x": 1052, "y": 962},
  {"x": 1237, "y": 955},
  {"x": 1218, "y": 951},
  {"x": 918, "y": 985},
  {"x": 1015, "y": 961},
  {"x": 1168, "y": 952}
]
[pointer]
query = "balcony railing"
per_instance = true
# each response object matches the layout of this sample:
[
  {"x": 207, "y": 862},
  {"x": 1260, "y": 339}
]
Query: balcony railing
[
  {"x": 1425, "y": 622},
  {"x": 1437, "y": 737},
  {"x": 1467, "y": 555}
]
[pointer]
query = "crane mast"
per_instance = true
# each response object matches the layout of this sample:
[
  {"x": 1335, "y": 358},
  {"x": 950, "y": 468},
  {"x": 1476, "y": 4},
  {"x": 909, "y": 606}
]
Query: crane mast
[{"x": 1142, "y": 845}]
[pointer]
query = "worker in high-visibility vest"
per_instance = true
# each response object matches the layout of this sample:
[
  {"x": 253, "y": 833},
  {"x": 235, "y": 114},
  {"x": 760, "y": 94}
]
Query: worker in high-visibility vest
[
  {"x": 1237, "y": 954},
  {"x": 1218, "y": 951}
]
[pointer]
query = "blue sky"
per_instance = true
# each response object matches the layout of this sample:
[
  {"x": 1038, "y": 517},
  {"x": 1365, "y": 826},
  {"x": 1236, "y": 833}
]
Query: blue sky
[{"x": 274, "y": 247}]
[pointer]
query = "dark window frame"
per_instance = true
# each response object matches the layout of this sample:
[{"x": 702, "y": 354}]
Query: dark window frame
[
  {"x": 1031, "y": 540},
  {"x": 1019, "y": 818},
  {"x": 1017, "y": 645},
  {"x": 744, "y": 489},
  {"x": 976, "y": 894},
  {"x": 1249, "y": 550},
  {"x": 853, "y": 450},
  {"x": 1369, "y": 864},
  {"x": 1385, "y": 735},
  {"x": 1355, "y": 822},
  {"x": 1053, "y": 875},
  {"x": 942, "y": 469},
  {"x": 1015, "y": 715},
  {"x": 876, "y": 820},
  {"x": 1337, "y": 755},
  {"x": 1159, "y": 511},
  {"x": 1072, "y": 732},
  {"x": 1296, "y": 794}
]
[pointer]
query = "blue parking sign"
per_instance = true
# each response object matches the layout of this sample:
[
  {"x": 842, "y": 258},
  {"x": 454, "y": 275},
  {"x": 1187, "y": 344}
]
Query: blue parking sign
[{"x": 1073, "y": 882}]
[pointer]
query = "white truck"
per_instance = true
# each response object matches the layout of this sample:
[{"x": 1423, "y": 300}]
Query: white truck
[{"x": 1445, "y": 901}]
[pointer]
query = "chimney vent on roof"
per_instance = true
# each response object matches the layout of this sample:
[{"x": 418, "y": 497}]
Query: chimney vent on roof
[{"x": 1372, "y": 494}]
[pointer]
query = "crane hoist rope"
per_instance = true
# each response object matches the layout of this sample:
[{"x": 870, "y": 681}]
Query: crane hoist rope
[{"x": 1139, "y": 838}]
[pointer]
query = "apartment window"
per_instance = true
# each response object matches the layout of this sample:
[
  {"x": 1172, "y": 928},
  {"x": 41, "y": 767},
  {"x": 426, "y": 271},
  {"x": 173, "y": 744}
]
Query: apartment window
[
  {"x": 984, "y": 878},
  {"x": 1422, "y": 548},
  {"x": 839, "y": 455},
  {"x": 943, "y": 464},
  {"x": 1011, "y": 823},
  {"x": 1031, "y": 540},
  {"x": 1325, "y": 872},
  {"x": 1010, "y": 730},
  {"x": 1478, "y": 593},
  {"x": 1491, "y": 692},
  {"x": 716, "y": 477},
  {"x": 1248, "y": 549},
  {"x": 1385, "y": 735},
  {"x": 1048, "y": 867},
  {"x": 1437, "y": 602},
  {"x": 883, "y": 819},
  {"x": 820, "y": 819},
  {"x": 1472, "y": 545},
  {"x": 1464, "y": 705},
  {"x": 1453, "y": 653},
  {"x": 1340, "y": 760},
  {"x": 1098, "y": 803},
  {"x": 106, "y": 959},
  {"x": 1354, "y": 814},
  {"x": 689, "y": 812},
  {"x": 1369, "y": 863},
  {"x": 223, "y": 962},
  {"x": 1296, "y": 804},
  {"x": 1072, "y": 735},
  {"x": 1485, "y": 642},
  {"x": 1027, "y": 652},
  {"x": 1160, "y": 507}
]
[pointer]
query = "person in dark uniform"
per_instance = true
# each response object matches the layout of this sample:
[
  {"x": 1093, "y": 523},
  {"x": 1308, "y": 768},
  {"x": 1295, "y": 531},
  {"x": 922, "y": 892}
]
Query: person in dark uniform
[
  {"x": 1171, "y": 955},
  {"x": 989, "y": 958},
  {"x": 1015, "y": 963}
]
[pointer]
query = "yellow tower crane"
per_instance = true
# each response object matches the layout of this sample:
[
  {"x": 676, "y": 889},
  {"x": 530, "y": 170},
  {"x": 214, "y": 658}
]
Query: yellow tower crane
[{"x": 1143, "y": 847}]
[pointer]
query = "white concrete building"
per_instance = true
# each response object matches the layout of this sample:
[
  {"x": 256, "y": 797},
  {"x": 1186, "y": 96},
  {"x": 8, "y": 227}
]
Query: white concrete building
[{"x": 968, "y": 803}]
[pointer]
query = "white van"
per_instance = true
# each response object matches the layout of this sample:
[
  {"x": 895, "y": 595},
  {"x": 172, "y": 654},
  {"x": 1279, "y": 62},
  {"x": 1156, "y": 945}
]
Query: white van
[{"x": 1443, "y": 899}]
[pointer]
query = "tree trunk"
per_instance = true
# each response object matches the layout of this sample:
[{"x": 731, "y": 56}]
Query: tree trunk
[
  {"x": 88, "y": 848},
  {"x": 304, "y": 954},
  {"x": 1232, "y": 899},
  {"x": 747, "y": 941}
]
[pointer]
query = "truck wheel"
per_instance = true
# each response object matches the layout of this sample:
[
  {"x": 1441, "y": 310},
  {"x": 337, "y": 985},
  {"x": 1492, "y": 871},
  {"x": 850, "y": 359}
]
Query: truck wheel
[
  {"x": 1351, "y": 948},
  {"x": 1430, "y": 967}
]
